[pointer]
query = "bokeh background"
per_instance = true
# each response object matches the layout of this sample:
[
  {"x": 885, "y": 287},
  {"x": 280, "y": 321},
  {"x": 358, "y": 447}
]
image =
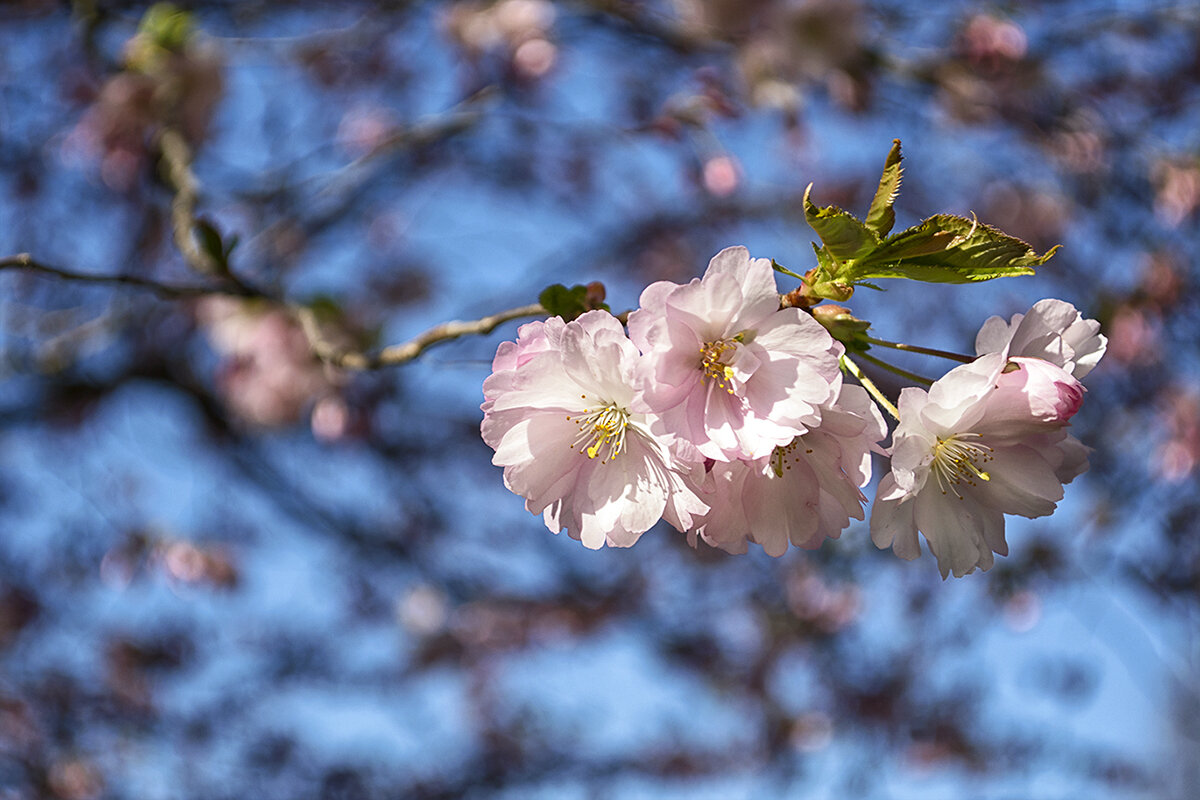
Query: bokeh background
[{"x": 228, "y": 570}]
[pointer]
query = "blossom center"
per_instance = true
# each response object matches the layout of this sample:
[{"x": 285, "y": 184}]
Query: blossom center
[
  {"x": 783, "y": 456},
  {"x": 601, "y": 431},
  {"x": 713, "y": 362},
  {"x": 957, "y": 459}
]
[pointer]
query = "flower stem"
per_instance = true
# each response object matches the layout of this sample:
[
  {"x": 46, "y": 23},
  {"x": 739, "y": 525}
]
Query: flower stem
[
  {"x": 929, "y": 351},
  {"x": 892, "y": 368},
  {"x": 873, "y": 390}
]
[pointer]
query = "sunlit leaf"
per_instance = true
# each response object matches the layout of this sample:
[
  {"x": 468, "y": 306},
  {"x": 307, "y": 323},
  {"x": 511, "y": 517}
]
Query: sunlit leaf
[
  {"x": 845, "y": 237},
  {"x": 949, "y": 249},
  {"x": 881, "y": 217}
]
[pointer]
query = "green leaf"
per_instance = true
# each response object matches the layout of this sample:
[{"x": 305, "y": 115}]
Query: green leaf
[
  {"x": 845, "y": 238},
  {"x": 166, "y": 26},
  {"x": 210, "y": 242},
  {"x": 326, "y": 308},
  {"x": 780, "y": 268},
  {"x": 560, "y": 301},
  {"x": 949, "y": 249},
  {"x": 881, "y": 217}
]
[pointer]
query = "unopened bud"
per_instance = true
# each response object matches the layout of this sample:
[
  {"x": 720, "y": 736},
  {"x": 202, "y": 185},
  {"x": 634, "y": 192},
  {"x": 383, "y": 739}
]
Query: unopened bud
[
  {"x": 595, "y": 295},
  {"x": 832, "y": 290},
  {"x": 843, "y": 325}
]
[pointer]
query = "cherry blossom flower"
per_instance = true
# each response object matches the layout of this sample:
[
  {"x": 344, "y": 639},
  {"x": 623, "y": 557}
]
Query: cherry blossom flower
[
  {"x": 559, "y": 414},
  {"x": 803, "y": 492},
  {"x": 986, "y": 440},
  {"x": 725, "y": 368},
  {"x": 1053, "y": 330},
  {"x": 532, "y": 338}
]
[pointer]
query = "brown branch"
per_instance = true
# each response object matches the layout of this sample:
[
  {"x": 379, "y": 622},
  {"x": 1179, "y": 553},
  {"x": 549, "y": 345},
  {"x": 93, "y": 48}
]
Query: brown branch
[
  {"x": 670, "y": 32},
  {"x": 407, "y": 351},
  {"x": 26, "y": 262},
  {"x": 323, "y": 347}
]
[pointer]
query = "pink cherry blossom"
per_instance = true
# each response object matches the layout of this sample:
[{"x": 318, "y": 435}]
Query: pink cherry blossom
[
  {"x": 725, "y": 369},
  {"x": 1053, "y": 331},
  {"x": 803, "y": 492},
  {"x": 559, "y": 414},
  {"x": 532, "y": 338},
  {"x": 981, "y": 443}
]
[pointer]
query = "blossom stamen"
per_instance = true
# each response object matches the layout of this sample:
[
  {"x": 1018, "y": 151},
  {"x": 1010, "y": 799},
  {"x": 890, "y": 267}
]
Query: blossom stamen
[
  {"x": 712, "y": 362},
  {"x": 601, "y": 432},
  {"x": 957, "y": 461},
  {"x": 783, "y": 456}
]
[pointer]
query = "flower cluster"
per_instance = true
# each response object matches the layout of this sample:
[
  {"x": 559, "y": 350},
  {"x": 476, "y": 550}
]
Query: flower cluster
[
  {"x": 988, "y": 439},
  {"x": 726, "y": 415}
]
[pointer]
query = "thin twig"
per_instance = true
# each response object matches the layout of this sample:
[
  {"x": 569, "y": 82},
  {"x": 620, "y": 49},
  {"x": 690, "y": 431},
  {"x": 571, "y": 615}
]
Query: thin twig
[
  {"x": 177, "y": 169},
  {"x": 873, "y": 390},
  {"x": 24, "y": 261},
  {"x": 407, "y": 351},
  {"x": 928, "y": 351},
  {"x": 892, "y": 368},
  {"x": 322, "y": 346}
]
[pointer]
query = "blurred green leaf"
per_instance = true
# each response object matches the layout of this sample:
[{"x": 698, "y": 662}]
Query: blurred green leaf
[
  {"x": 211, "y": 243},
  {"x": 326, "y": 308},
  {"x": 560, "y": 301},
  {"x": 166, "y": 26}
]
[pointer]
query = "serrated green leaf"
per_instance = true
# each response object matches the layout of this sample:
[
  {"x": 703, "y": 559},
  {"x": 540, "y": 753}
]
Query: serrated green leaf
[
  {"x": 844, "y": 237},
  {"x": 824, "y": 260},
  {"x": 881, "y": 216},
  {"x": 949, "y": 249}
]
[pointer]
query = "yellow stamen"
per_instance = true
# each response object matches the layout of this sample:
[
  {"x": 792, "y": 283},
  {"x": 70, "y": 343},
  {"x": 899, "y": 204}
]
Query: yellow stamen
[
  {"x": 956, "y": 460},
  {"x": 713, "y": 365},
  {"x": 601, "y": 432}
]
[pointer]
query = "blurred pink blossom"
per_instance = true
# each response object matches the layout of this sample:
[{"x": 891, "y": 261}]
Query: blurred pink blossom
[
  {"x": 721, "y": 176},
  {"x": 990, "y": 41},
  {"x": 269, "y": 376}
]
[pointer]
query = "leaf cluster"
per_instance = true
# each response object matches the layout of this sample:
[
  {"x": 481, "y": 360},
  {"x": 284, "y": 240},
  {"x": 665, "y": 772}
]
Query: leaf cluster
[
  {"x": 560, "y": 301},
  {"x": 942, "y": 249}
]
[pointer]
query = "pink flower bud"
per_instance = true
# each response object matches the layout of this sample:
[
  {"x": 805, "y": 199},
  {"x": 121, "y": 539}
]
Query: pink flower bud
[{"x": 1053, "y": 394}]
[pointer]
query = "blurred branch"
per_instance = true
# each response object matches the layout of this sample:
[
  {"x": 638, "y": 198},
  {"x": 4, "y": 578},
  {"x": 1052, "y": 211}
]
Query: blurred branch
[
  {"x": 634, "y": 17},
  {"x": 177, "y": 164},
  {"x": 323, "y": 347},
  {"x": 330, "y": 196},
  {"x": 406, "y": 351},
  {"x": 26, "y": 262},
  {"x": 177, "y": 171}
]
